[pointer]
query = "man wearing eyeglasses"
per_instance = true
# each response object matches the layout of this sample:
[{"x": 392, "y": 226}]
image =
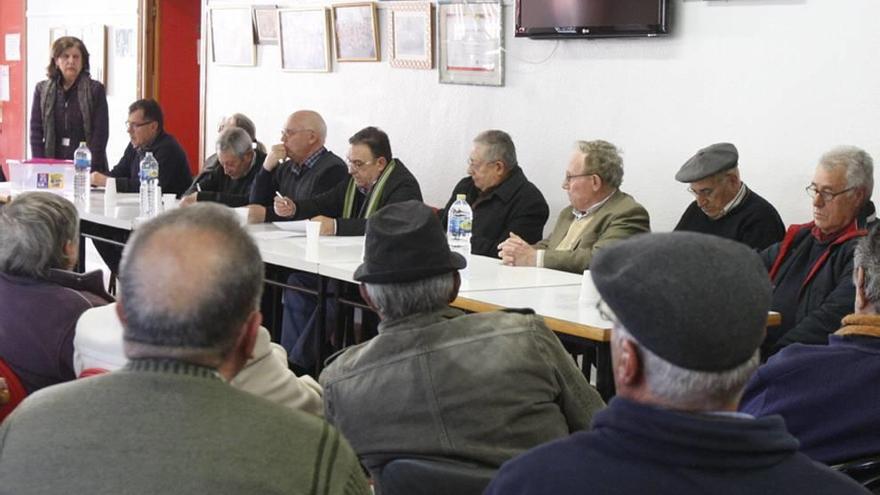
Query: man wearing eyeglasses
[
  {"x": 502, "y": 198},
  {"x": 146, "y": 131},
  {"x": 599, "y": 215},
  {"x": 297, "y": 168},
  {"x": 724, "y": 206},
  {"x": 377, "y": 179},
  {"x": 812, "y": 268}
]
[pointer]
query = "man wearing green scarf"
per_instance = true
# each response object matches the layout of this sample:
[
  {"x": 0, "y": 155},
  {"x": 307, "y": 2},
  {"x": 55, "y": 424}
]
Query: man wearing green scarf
[{"x": 377, "y": 179}]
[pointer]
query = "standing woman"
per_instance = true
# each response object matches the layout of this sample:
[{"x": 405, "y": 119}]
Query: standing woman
[{"x": 69, "y": 107}]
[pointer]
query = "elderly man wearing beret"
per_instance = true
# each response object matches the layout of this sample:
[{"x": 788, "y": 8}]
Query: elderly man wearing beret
[
  {"x": 724, "y": 206},
  {"x": 439, "y": 384},
  {"x": 680, "y": 364}
]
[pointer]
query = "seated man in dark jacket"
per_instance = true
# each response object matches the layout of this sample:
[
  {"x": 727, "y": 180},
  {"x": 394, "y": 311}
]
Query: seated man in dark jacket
[
  {"x": 376, "y": 180},
  {"x": 689, "y": 312},
  {"x": 229, "y": 181},
  {"x": 501, "y": 197},
  {"x": 438, "y": 383},
  {"x": 298, "y": 168},
  {"x": 828, "y": 394},
  {"x": 146, "y": 130},
  {"x": 811, "y": 269},
  {"x": 724, "y": 206}
]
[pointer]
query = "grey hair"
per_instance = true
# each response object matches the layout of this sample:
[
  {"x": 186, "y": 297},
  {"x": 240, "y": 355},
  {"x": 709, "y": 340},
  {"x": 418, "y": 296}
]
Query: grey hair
[
  {"x": 700, "y": 390},
  {"x": 867, "y": 257},
  {"x": 243, "y": 121},
  {"x": 398, "y": 300},
  {"x": 34, "y": 229},
  {"x": 234, "y": 139},
  {"x": 859, "y": 167},
  {"x": 603, "y": 159},
  {"x": 499, "y": 146},
  {"x": 188, "y": 281}
]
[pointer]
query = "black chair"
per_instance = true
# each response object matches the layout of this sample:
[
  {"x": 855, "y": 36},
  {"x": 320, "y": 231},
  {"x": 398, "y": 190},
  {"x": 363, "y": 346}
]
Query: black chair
[
  {"x": 865, "y": 470},
  {"x": 432, "y": 477}
]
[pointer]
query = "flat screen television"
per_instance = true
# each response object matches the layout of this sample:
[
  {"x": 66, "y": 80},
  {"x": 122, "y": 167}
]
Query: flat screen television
[{"x": 590, "y": 18}]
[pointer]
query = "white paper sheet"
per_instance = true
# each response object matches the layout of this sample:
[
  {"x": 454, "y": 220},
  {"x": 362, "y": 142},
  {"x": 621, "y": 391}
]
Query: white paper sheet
[
  {"x": 13, "y": 47},
  {"x": 293, "y": 226},
  {"x": 270, "y": 235},
  {"x": 4, "y": 83}
]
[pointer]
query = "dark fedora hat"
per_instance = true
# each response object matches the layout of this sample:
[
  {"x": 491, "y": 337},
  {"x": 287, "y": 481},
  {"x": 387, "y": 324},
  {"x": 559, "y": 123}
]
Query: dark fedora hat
[{"x": 405, "y": 243}]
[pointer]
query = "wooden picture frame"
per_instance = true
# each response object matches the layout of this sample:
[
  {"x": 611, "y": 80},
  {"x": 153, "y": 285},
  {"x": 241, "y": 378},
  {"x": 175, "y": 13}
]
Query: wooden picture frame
[
  {"x": 356, "y": 32},
  {"x": 304, "y": 37},
  {"x": 232, "y": 36},
  {"x": 412, "y": 35},
  {"x": 471, "y": 42},
  {"x": 266, "y": 24}
]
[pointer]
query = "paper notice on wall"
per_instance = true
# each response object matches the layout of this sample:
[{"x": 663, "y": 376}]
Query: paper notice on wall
[
  {"x": 4, "y": 83},
  {"x": 13, "y": 47}
]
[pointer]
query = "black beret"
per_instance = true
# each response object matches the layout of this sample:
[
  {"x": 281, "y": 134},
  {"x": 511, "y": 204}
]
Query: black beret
[
  {"x": 708, "y": 161},
  {"x": 405, "y": 242},
  {"x": 698, "y": 301}
]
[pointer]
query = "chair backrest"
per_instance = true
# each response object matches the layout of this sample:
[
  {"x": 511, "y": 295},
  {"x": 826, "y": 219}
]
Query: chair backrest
[
  {"x": 432, "y": 477},
  {"x": 14, "y": 389},
  {"x": 865, "y": 470}
]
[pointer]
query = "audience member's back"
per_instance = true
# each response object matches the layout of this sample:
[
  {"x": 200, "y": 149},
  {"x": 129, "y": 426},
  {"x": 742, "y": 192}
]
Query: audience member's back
[
  {"x": 168, "y": 422},
  {"x": 679, "y": 368}
]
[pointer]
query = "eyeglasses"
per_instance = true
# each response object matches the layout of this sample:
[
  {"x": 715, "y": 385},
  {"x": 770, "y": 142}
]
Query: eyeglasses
[
  {"x": 701, "y": 193},
  {"x": 575, "y": 176},
  {"x": 357, "y": 164},
  {"x": 292, "y": 132},
  {"x": 137, "y": 125},
  {"x": 827, "y": 196}
]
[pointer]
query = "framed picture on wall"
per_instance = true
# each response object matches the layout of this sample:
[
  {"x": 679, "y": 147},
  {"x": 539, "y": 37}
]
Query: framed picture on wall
[
  {"x": 471, "y": 42},
  {"x": 412, "y": 35},
  {"x": 94, "y": 37},
  {"x": 266, "y": 22},
  {"x": 356, "y": 30},
  {"x": 304, "y": 39},
  {"x": 232, "y": 36}
]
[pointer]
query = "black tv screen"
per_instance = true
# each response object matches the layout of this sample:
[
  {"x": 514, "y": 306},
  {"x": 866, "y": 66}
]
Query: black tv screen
[{"x": 590, "y": 18}]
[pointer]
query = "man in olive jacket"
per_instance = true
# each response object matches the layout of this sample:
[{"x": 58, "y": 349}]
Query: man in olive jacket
[{"x": 599, "y": 215}]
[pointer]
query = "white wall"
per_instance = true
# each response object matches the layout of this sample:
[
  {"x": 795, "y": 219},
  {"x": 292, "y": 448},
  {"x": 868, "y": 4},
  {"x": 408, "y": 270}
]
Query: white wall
[
  {"x": 784, "y": 80},
  {"x": 43, "y": 15}
]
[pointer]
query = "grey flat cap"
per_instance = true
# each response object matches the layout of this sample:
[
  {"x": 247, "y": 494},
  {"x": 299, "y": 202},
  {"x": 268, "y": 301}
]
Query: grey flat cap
[
  {"x": 698, "y": 301},
  {"x": 708, "y": 161}
]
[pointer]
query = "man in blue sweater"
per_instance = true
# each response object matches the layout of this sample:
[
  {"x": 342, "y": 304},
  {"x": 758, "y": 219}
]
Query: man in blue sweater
[
  {"x": 688, "y": 319},
  {"x": 828, "y": 394}
]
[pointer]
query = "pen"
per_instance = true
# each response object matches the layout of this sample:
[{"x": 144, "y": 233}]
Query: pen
[
  {"x": 198, "y": 187},
  {"x": 279, "y": 195}
]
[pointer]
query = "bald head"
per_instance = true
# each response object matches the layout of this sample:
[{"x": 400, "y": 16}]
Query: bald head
[
  {"x": 188, "y": 281},
  {"x": 311, "y": 120}
]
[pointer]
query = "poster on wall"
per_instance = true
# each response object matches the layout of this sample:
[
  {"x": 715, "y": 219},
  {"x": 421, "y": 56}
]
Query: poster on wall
[
  {"x": 304, "y": 39},
  {"x": 471, "y": 43},
  {"x": 357, "y": 32},
  {"x": 232, "y": 36},
  {"x": 266, "y": 22},
  {"x": 412, "y": 35}
]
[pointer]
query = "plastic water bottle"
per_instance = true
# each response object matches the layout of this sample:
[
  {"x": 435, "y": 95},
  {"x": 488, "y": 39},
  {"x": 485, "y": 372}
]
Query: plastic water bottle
[
  {"x": 149, "y": 176},
  {"x": 459, "y": 225},
  {"x": 82, "y": 163}
]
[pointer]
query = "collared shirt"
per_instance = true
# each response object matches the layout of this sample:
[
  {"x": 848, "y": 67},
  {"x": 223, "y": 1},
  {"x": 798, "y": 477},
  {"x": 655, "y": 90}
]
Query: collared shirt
[
  {"x": 740, "y": 195},
  {"x": 593, "y": 209},
  {"x": 309, "y": 162},
  {"x": 578, "y": 215}
]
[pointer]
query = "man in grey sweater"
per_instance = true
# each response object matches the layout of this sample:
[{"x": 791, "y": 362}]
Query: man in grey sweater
[{"x": 168, "y": 422}]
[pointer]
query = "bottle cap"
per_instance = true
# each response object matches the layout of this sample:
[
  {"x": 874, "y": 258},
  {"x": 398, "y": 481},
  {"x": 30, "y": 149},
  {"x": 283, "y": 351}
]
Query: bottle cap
[{"x": 460, "y": 196}]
